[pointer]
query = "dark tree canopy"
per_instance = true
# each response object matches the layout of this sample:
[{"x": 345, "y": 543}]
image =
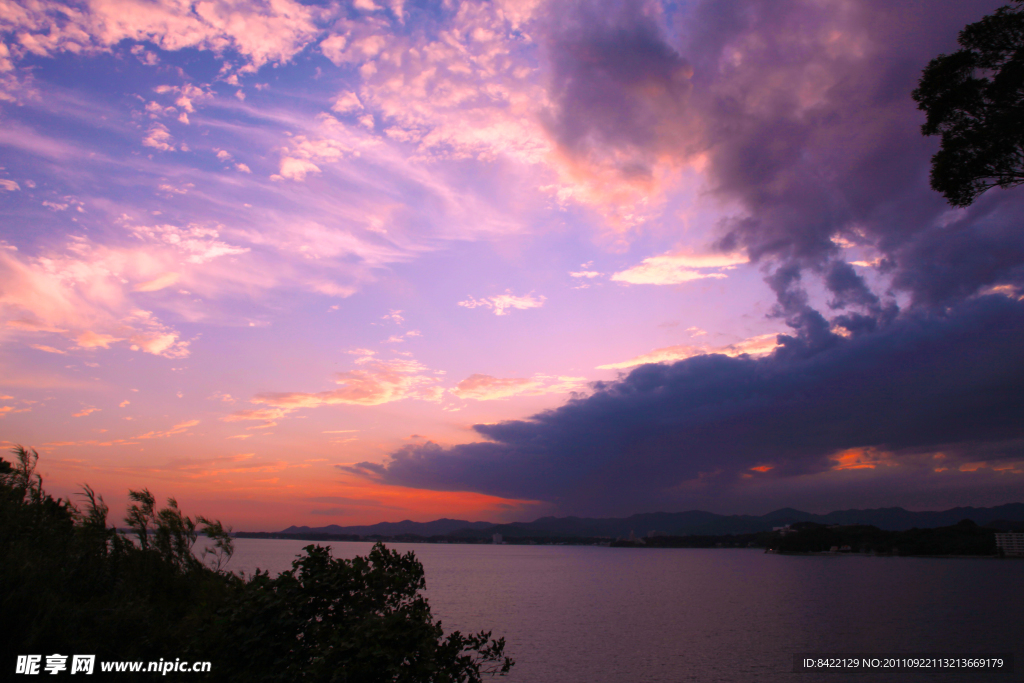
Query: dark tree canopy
[{"x": 974, "y": 99}]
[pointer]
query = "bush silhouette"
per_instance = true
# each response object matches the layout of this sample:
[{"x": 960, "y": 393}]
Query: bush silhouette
[{"x": 69, "y": 584}]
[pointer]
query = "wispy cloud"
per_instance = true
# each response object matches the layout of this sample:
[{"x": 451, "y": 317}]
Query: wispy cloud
[
  {"x": 198, "y": 244},
  {"x": 487, "y": 388},
  {"x": 754, "y": 346},
  {"x": 674, "y": 269},
  {"x": 237, "y": 463},
  {"x": 86, "y": 293},
  {"x": 501, "y": 304},
  {"x": 47, "y": 349},
  {"x": 85, "y": 412},
  {"x": 398, "y": 338},
  {"x": 260, "y": 32},
  {"x": 179, "y": 428},
  {"x": 158, "y": 137},
  {"x": 375, "y": 382},
  {"x": 265, "y": 416}
]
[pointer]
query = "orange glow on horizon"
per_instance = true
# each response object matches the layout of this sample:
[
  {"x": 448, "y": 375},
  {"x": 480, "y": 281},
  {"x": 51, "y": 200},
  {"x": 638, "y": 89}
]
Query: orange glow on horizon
[{"x": 252, "y": 492}]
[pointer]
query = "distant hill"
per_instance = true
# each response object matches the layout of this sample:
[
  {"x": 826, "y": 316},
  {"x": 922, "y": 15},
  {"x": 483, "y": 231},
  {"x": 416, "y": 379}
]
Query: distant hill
[
  {"x": 677, "y": 523},
  {"x": 707, "y": 523},
  {"x": 898, "y": 519},
  {"x": 439, "y": 527}
]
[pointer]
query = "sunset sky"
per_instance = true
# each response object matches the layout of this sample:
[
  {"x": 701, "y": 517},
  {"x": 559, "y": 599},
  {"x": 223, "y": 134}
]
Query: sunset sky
[{"x": 347, "y": 262}]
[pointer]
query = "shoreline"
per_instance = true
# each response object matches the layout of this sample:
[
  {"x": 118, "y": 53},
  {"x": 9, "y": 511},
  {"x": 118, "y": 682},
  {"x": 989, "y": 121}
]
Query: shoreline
[{"x": 826, "y": 553}]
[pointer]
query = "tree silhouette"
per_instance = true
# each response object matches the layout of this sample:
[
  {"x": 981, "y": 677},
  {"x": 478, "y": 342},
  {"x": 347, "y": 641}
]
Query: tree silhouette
[
  {"x": 974, "y": 99},
  {"x": 71, "y": 584}
]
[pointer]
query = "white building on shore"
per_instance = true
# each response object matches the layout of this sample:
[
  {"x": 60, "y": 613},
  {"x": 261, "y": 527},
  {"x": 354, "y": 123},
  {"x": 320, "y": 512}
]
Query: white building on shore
[{"x": 1011, "y": 543}]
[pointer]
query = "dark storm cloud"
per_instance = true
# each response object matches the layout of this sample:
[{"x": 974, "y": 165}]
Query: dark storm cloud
[
  {"x": 810, "y": 118},
  {"x": 926, "y": 383},
  {"x": 619, "y": 89},
  {"x": 804, "y": 112},
  {"x": 811, "y": 126},
  {"x": 977, "y": 249}
]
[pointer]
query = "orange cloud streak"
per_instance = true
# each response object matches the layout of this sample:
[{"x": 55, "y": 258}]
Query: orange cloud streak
[{"x": 860, "y": 459}]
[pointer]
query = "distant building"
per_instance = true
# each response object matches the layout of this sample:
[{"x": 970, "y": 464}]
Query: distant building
[
  {"x": 1011, "y": 543},
  {"x": 496, "y": 539}
]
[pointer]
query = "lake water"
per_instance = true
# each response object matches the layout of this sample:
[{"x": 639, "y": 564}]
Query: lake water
[{"x": 579, "y": 614}]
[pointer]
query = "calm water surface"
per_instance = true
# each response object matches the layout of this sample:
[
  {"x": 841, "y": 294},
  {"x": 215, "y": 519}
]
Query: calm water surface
[{"x": 577, "y": 614}]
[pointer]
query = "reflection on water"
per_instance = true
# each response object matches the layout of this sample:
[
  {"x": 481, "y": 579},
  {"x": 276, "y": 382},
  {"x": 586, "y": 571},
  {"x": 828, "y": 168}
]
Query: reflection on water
[{"x": 576, "y": 614}]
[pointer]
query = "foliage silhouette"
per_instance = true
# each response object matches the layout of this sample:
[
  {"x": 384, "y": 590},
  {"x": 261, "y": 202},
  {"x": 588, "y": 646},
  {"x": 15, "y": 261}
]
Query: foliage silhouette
[
  {"x": 347, "y": 620},
  {"x": 964, "y": 538},
  {"x": 70, "y": 584},
  {"x": 974, "y": 99}
]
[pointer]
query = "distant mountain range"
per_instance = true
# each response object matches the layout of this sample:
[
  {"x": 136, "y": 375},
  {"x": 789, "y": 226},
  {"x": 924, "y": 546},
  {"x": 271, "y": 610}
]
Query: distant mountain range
[
  {"x": 439, "y": 527},
  {"x": 675, "y": 523}
]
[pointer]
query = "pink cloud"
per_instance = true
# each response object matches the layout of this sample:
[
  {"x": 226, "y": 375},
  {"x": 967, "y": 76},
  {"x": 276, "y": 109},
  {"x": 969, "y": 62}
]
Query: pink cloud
[
  {"x": 487, "y": 388},
  {"x": 157, "y": 283},
  {"x": 464, "y": 94},
  {"x": 179, "y": 428},
  {"x": 92, "y": 340},
  {"x": 85, "y": 412},
  {"x": 261, "y": 32},
  {"x": 332, "y": 142},
  {"x": 754, "y": 346},
  {"x": 673, "y": 269},
  {"x": 501, "y": 304},
  {"x": 398, "y": 338},
  {"x": 47, "y": 349},
  {"x": 236, "y": 463},
  {"x": 374, "y": 383},
  {"x": 80, "y": 295},
  {"x": 159, "y": 138},
  {"x": 266, "y": 416},
  {"x": 151, "y": 336},
  {"x": 198, "y": 243},
  {"x": 296, "y": 169}
]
